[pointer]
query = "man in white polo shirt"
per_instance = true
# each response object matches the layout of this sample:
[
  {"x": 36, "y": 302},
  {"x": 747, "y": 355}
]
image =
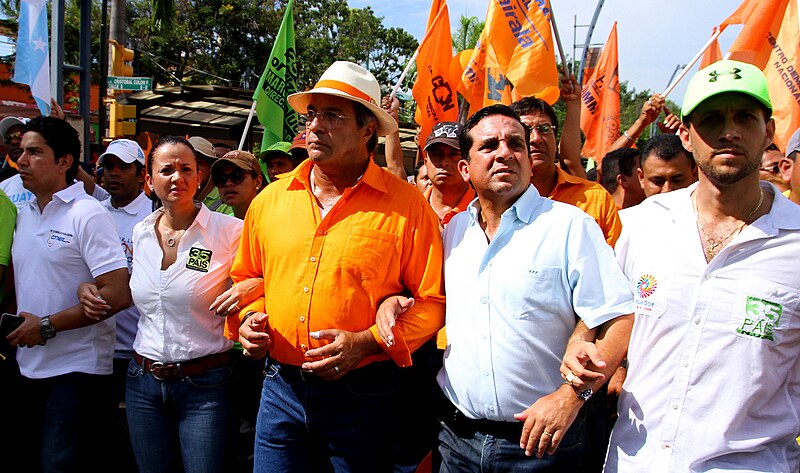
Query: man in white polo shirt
[
  {"x": 64, "y": 237},
  {"x": 713, "y": 381}
]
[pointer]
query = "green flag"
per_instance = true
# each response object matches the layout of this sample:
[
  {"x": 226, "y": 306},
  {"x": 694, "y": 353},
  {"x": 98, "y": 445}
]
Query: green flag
[{"x": 277, "y": 82}]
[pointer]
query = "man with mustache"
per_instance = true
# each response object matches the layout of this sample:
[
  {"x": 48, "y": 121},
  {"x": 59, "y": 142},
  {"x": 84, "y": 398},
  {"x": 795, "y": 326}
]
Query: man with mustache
[
  {"x": 713, "y": 381},
  {"x": 521, "y": 278}
]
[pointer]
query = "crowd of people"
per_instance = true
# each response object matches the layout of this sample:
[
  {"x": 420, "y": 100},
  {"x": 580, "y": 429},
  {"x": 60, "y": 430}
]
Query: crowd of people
[{"x": 204, "y": 309}]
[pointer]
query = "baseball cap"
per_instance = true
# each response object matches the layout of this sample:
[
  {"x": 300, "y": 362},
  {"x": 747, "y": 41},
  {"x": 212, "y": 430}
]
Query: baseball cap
[
  {"x": 240, "y": 159},
  {"x": 126, "y": 150},
  {"x": 299, "y": 141},
  {"x": 8, "y": 122},
  {"x": 281, "y": 148},
  {"x": 203, "y": 146},
  {"x": 794, "y": 143},
  {"x": 445, "y": 133},
  {"x": 725, "y": 76}
]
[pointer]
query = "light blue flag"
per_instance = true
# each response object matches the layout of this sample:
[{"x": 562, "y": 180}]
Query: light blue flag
[{"x": 33, "y": 53}]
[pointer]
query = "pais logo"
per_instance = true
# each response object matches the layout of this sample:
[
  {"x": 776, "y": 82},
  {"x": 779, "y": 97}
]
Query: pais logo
[{"x": 647, "y": 285}]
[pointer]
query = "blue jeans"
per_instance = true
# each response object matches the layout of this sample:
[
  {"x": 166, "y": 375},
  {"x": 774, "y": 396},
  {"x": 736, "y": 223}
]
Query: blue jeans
[
  {"x": 306, "y": 424},
  {"x": 186, "y": 421},
  {"x": 66, "y": 418},
  {"x": 472, "y": 451}
]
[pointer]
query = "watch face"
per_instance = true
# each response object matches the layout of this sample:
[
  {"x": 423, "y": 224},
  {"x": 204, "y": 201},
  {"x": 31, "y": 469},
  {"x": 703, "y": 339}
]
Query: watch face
[{"x": 585, "y": 395}]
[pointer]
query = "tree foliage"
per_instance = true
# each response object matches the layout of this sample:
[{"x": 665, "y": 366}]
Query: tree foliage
[{"x": 467, "y": 34}]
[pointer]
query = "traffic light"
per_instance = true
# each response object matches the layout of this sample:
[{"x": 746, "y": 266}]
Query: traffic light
[
  {"x": 122, "y": 119},
  {"x": 121, "y": 57}
]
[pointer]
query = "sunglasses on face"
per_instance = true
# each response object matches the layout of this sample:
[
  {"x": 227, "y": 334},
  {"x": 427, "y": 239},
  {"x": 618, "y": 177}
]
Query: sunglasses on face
[{"x": 236, "y": 177}]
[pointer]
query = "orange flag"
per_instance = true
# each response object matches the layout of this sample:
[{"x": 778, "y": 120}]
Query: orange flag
[
  {"x": 600, "y": 103},
  {"x": 713, "y": 53},
  {"x": 436, "y": 97},
  {"x": 759, "y": 18},
  {"x": 777, "y": 52}
]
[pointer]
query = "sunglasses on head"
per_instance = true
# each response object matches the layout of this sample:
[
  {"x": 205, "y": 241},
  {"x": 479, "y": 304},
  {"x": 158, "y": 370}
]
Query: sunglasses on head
[{"x": 236, "y": 177}]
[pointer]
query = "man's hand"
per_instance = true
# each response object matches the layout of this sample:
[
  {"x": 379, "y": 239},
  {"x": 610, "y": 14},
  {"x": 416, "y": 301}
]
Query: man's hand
[
  {"x": 570, "y": 91},
  {"x": 615, "y": 383},
  {"x": 55, "y": 109},
  {"x": 670, "y": 124},
  {"x": 392, "y": 106},
  {"x": 651, "y": 109},
  {"x": 254, "y": 337},
  {"x": 574, "y": 369},
  {"x": 29, "y": 333},
  {"x": 343, "y": 354},
  {"x": 387, "y": 314},
  {"x": 547, "y": 420},
  {"x": 94, "y": 306}
]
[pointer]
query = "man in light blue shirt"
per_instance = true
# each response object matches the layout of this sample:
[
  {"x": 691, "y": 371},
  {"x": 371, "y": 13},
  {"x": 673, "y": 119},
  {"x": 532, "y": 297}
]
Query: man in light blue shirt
[{"x": 525, "y": 277}]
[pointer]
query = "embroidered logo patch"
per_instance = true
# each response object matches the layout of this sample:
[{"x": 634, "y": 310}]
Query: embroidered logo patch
[
  {"x": 761, "y": 318},
  {"x": 199, "y": 259},
  {"x": 646, "y": 286},
  {"x": 59, "y": 237}
]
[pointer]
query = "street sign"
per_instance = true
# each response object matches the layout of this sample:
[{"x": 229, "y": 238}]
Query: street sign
[{"x": 130, "y": 83}]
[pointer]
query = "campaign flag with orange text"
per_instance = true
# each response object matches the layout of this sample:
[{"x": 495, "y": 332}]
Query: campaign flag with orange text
[
  {"x": 771, "y": 40},
  {"x": 600, "y": 103},
  {"x": 712, "y": 53},
  {"x": 436, "y": 97}
]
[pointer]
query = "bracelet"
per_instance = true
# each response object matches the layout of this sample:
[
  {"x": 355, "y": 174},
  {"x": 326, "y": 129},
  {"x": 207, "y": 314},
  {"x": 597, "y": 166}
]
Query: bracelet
[
  {"x": 246, "y": 315},
  {"x": 627, "y": 136}
]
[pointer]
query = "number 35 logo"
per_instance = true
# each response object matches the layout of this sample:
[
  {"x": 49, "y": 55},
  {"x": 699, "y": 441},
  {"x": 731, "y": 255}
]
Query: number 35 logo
[{"x": 761, "y": 318}]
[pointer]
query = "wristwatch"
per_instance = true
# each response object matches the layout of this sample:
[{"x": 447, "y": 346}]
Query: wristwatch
[
  {"x": 585, "y": 394},
  {"x": 46, "y": 329}
]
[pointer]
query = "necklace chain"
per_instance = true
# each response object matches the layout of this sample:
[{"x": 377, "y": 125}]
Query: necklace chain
[{"x": 711, "y": 246}]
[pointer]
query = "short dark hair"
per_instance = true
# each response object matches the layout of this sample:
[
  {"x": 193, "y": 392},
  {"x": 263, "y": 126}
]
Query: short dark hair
[
  {"x": 465, "y": 139},
  {"x": 363, "y": 117},
  {"x": 168, "y": 140},
  {"x": 665, "y": 147},
  {"x": 530, "y": 105},
  {"x": 620, "y": 161},
  {"x": 62, "y": 138}
]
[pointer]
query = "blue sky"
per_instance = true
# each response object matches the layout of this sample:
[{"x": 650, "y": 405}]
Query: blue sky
[{"x": 654, "y": 35}]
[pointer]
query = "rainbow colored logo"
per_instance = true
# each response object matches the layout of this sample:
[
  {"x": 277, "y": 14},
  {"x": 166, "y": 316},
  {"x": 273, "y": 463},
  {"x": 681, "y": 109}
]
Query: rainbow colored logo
[{"x": 647, "y": 285}]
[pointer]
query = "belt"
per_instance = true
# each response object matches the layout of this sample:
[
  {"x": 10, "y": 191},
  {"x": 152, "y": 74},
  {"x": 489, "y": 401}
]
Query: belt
[
  {"x": 182, "y": 369},
  {"x": 463, "y": 426}
]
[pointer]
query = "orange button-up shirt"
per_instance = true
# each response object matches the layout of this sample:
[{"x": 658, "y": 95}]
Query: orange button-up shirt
[
  {"x": 381, "y": 238},
  {"x": 469, "y": 196},
  {"x": 590, "y": 197}
]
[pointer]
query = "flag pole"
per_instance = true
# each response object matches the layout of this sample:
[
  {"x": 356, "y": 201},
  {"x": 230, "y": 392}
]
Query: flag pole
[
  {"x": 414, "y": 56},
  {"x": 558, "y": 42},
  {"x": 247, "y": 125},
  {"x": 691, "y": 63}
]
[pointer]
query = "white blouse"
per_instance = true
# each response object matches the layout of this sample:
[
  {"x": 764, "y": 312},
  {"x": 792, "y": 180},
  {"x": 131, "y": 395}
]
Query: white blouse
[{"x": 175, "y": 323}]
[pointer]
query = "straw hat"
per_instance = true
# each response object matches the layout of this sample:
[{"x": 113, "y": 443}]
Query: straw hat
[{"x": 353, "y": 82}]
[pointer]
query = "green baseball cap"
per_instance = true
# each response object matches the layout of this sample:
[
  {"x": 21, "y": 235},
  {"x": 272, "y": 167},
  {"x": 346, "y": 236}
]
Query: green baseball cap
[
  {"x": 725, "y": 76},
  {"x": 280, "y": 148}
]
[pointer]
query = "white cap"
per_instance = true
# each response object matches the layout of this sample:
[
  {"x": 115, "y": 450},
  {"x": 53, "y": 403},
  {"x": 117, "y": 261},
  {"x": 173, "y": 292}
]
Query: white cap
[
  {"x": 126, "y": 150},
  {"x": 8, "y": 122}
]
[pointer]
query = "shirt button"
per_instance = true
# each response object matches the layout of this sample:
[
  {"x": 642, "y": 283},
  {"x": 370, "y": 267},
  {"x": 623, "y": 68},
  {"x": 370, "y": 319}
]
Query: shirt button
[
  {"x": 303, "y": 347},
  {"x": 486, "y": 373},
  {"x": 697, "y": 321},
  {"x": 491, "y": 408},
  {"x": 313, "y": 259},
  {"x": 305, "y": 289},
  {"x": 321, "y": 232},
  {"x": 483, "y": 336},
  {"x": 686, "y": 364},
  {"x": 675, "y": 405},
  {"x": 302, "y": 319},
  {"x": 484, "y": 300}
]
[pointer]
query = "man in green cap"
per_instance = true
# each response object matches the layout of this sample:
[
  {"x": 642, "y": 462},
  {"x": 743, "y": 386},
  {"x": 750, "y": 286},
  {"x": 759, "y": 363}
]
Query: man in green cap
[
  {"x": 277, "y": 159},
  {"x": 713, "y": 380}
]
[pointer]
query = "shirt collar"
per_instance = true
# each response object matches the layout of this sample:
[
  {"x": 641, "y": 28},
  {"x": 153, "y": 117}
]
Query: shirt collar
[
  {"x": 524, "y": 208},
  {"x": 566, "y": 179},
  {"x": 70, "y": 193},
  {"x": 373, "y": 177},
  {"x": 202, "y": 218},
  {"x": 133, "y": 208}
]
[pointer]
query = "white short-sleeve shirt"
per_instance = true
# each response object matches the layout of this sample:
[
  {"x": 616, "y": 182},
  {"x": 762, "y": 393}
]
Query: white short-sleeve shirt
[
  {"x": 714, "y": 359},
  {"x": 512, "y": 304},
  {"x": 175, "y": 323},
  {"x": 125, "y": 219},
  {"x": 72, "y": 241}
]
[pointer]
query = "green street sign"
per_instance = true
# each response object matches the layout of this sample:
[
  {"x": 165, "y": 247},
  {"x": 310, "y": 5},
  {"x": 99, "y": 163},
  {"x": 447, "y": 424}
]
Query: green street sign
[{"x": 130, "y": 83}]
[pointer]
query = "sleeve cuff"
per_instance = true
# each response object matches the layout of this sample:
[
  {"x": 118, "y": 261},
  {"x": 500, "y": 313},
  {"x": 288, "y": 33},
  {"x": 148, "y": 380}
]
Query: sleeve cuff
[{"x": 398, "y": 352}]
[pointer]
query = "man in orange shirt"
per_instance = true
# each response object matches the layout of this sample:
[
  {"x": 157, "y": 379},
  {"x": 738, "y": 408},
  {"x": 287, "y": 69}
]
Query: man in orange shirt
[
  {"x": 557, "y": 184},
  {"x": 350, "y": 235}
]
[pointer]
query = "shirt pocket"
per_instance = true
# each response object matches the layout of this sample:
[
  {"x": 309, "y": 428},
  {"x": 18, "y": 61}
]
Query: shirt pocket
[
  {"x": 368, "y": 253},
  {"x": 538, "y": 293},
  {"x": 763, "y": 310}
]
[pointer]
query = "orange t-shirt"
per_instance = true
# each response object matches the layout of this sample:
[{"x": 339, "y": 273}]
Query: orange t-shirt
[
  {"x": 380, "y": 239},
  {"x": 590, "y": 197}
]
